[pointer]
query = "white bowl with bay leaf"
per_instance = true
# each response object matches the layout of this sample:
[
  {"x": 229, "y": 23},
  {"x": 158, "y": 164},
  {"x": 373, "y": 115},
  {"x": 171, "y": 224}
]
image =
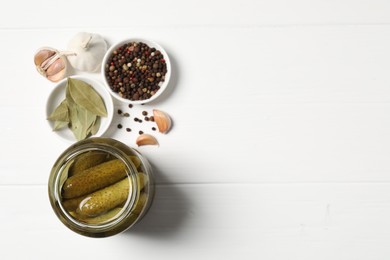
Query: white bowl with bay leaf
[{"x": 79, "y": 107}]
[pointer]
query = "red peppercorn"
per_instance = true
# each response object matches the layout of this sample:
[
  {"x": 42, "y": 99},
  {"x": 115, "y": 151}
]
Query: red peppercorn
[{"x": 138, "y": 77}]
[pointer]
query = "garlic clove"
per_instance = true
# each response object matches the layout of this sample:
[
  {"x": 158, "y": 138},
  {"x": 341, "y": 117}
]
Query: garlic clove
[
  {"x": 55, "y": 67},
  {"x": 162, "y": 120},
  {"x": 146, "y": 139},
  {"x": 42, "y": 55},
  {"x": 51, "y": 63},
  {"x": 48, "y": 62},
  {"x": 57, "y": 77}
]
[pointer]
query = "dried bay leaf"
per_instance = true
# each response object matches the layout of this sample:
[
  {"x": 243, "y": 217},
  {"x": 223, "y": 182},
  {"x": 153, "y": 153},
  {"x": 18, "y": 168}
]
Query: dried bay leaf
[
  {"x": 61, "y": 113},
  {"x": 84, "y": 95},
  {"x": 77, "y": 131},
  {"x": 96, "y": 125},
  {"x": 68, "y": 97},
  {"x": 75, "y": 114},
  {"x": 90, "y": 127},
  {"x": 73, "y": 120},
  {"x": 59, "y": 124},
  {"x": 86, "y": 119},
  {"x": 75, "y": 124}
]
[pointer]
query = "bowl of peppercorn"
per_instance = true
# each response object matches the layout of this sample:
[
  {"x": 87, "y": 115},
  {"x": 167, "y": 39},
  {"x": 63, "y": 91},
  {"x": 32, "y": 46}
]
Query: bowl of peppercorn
[{"x": 136, "y": 71}]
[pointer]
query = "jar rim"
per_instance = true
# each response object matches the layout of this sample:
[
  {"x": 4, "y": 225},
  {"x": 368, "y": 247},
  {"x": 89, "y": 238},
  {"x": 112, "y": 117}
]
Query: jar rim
[{"x": 55, "y": 183}]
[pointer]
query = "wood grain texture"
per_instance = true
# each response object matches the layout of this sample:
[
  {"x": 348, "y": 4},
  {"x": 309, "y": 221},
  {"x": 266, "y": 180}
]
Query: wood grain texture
[
  {"x": 121, "y": 13},
  {"x": 280, "y": 105},
  {"x": 321, "y": 221},
  {"x": 280, "y": 142}
]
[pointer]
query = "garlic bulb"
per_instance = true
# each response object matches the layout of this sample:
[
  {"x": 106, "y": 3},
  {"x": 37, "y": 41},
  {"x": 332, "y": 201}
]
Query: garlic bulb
[
  {"x": 50, "y": 63},
  {"x": 89, "y": 50}
]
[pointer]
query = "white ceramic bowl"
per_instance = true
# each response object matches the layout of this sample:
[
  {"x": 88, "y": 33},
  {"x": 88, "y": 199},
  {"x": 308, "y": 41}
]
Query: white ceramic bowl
[
  {"x": 57, "y": 95},
  {"x": 150, "y": 44}
]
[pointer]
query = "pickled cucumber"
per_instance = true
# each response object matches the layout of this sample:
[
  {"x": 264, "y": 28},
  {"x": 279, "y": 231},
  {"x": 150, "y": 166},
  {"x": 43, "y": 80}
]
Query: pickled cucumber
[
  {"x": 95, "y": 178},
  {"x": 102, "y": 218},
  {"x": 73, "y": 204},
  {"x": 140, "y": 203},
  {"x": 87, "y": 160},
  {"x": 105, "y": 199},
  {"x": 142, "y": 180},
  {"x": 135, "y": 160}
]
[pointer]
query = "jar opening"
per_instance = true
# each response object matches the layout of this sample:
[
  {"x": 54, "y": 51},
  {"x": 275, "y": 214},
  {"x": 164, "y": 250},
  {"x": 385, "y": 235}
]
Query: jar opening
[
  {"x": 100, "y": 187},
  {"x": 89, "y": 212}
]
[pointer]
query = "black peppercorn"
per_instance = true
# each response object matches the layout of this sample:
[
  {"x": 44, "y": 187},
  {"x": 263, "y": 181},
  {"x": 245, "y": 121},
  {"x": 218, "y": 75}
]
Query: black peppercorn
[{"x": 135, "y": 71}]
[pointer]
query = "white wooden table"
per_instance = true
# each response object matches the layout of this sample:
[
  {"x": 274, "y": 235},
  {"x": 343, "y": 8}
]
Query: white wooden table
[{"x": 281, "y": 140}]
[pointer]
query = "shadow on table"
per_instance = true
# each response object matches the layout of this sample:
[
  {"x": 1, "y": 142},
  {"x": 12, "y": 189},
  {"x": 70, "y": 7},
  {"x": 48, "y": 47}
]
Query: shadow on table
[{"x": 168, "y": 213}]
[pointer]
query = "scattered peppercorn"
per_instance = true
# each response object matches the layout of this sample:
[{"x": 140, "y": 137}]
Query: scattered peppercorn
[
  {"x": 130, "y": 105},
  {"x": 119, "y": 111},
  {"x": 154, "y": 129},
  {"x": 126, "y": 115},
  {"x": 140, "y": 132},
  {"x": 139, "y": 121},
  {"x": 144, "y": 113},
  {"x": 119, "y": 126},
  {"x": 146, "y": 118},
  {"x": 136, "y": 119},
  {"x": 134, "y": 73},
  {"x": 151, "y": 118},
  {"x": 128, "y": 129}
]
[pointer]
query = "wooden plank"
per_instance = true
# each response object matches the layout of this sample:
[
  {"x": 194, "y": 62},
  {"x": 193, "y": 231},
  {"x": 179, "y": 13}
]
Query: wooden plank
[
  {"x": 121, "y": 13},
  {"x": 280, "y": 105},
  {"x": 320, "y": 221}
]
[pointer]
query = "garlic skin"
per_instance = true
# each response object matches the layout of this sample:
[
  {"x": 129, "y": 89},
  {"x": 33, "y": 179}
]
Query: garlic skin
[
  {"x": 57, "y": 77},
  {"x": 43, "y": 55},
  {"x": 146, "y": 139},
  {"x": 50, "y": 63},
  {"x": 162, "y": 120},
  {"x": 55, "y": 67},
  {"x": 89, "y": 50}
]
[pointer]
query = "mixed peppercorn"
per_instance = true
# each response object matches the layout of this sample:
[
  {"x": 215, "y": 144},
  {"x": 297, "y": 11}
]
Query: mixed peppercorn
[{"x": 135, "y": 71}]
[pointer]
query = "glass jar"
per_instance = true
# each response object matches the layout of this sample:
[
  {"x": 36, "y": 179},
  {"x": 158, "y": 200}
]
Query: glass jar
[{"x": 100, "y": 187}]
